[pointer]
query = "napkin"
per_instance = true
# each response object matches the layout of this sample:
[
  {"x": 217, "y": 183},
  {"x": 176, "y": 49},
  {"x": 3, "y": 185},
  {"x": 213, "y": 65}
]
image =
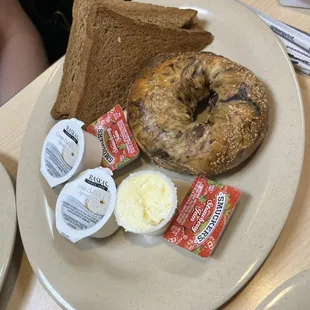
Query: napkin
[{"x": 295, "y": 41}]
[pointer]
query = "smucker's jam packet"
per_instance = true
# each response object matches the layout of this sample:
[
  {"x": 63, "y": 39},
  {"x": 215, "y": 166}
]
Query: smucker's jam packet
[
  {"x": 118, "y": 145},
  {"x": 202, "y": 216}
]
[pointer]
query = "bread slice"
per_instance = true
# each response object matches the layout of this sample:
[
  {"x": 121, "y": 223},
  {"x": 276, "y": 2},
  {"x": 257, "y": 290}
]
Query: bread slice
[
  {"x": 79, "y": 42},
  {"x": 153, "y": 14},
  {"x": 106, "y": 52}
]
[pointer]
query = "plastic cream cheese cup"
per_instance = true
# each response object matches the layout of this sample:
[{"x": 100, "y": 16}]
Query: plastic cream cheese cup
[
  {"x": 68, "y": 150},
  {"x": 85, "y": 206},
  {"x": 146, "y": 202}
]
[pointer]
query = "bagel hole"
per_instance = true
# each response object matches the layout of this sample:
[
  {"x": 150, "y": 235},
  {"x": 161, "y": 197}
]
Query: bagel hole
[{"x": 205, "y": 106}]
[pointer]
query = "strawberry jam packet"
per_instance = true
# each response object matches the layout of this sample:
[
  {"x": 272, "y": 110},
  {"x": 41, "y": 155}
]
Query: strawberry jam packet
[
  {"x": 118, "y": 145},
  {"x": 202, "y": 216}
]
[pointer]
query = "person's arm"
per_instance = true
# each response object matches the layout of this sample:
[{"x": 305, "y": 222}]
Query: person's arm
[{"x": 22, "y": 55}]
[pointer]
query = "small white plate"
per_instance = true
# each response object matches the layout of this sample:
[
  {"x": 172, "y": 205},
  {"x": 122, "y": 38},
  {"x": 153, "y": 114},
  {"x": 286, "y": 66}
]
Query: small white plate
[
  {"x": 293, "y": 294},
  {"x": 7, "y": 222}
]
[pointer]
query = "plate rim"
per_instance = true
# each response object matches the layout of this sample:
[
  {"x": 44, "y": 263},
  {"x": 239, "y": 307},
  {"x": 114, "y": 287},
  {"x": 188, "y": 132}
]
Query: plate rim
[
  {"x": 61, "y": 302},
  {"x": 10, "y": 194},
  {"x": 298, "y": 278}
]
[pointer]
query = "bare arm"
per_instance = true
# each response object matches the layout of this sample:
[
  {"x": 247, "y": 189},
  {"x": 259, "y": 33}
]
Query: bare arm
[{"x": 22, "y": 55}]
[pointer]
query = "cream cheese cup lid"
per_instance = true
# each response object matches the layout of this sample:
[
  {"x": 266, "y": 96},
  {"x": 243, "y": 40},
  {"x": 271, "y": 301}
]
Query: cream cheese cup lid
[
  {"x": 85, "y": 206},
  {"x": 67, "y": 150}
]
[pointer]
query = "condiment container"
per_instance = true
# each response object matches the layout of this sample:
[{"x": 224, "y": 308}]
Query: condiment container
[
  {"x": 85, "y": 206},
  {"x": 146, "y": 202},
  {"x": 68, "y": 150},
  {"x": 202, "y": 216},
  {"x": 119, "y": 147}
]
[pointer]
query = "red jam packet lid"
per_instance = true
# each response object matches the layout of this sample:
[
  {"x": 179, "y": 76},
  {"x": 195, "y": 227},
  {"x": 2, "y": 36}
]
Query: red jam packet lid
[
  {"x": 118, "y": 145},
  {"x": 202, "y": 216}
]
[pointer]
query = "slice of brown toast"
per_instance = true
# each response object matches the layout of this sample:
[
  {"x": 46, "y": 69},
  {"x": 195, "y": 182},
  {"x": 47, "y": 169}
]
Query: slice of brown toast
[
  {"x": 153, "y": 14},
  {"x": 166, "y": 17},
  {"x": 106, "y": 52}
]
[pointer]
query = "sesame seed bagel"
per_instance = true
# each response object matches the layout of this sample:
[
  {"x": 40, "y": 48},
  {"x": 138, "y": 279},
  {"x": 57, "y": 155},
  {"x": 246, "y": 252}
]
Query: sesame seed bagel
[{"x": 163, "y": 101}]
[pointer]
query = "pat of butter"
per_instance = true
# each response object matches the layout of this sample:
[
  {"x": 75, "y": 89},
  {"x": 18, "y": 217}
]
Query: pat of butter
[{"x": 146, "y": 201}]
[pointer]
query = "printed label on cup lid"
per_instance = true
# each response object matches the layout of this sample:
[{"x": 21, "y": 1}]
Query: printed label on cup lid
[
  {"x": 62, "y": 151},
  {"x": 202, "y": 216},
  {"x": 86, "y": 204}
]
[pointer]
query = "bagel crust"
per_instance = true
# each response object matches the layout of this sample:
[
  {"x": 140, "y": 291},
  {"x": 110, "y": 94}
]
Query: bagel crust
[{"x": 161, "y": 111}]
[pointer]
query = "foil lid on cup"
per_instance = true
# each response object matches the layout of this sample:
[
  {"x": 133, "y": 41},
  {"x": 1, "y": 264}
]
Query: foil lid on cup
[
  {"x": 85, "y": 206},
  {"x": 67, "y": 150}
]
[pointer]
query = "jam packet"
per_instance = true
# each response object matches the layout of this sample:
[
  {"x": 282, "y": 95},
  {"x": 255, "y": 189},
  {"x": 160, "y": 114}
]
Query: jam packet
[
  {"x": 202, "y": 216},
  {"x": 118, "y": 145}
]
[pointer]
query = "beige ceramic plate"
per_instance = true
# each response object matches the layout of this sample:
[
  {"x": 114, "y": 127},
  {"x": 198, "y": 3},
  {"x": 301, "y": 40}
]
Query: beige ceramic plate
[
  {"x": 294, "y": 294},
  {"x": 127, "y": 271},
  {"x": 7, "y": 222}
]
